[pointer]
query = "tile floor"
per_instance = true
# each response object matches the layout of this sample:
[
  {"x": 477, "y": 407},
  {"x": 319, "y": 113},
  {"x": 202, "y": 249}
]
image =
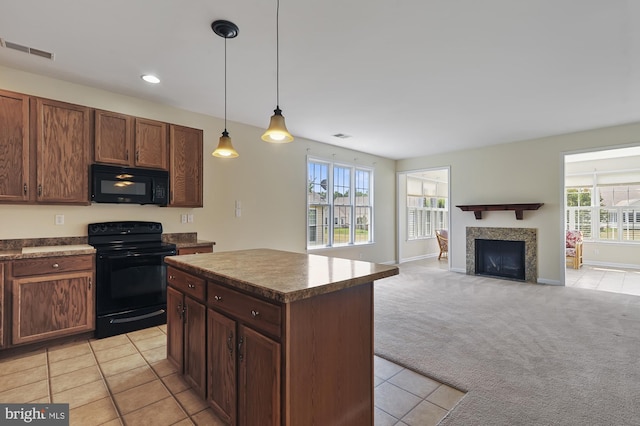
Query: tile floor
[
  {"x": 604, "y": 278},
  {"x": 126, "y": 379}
]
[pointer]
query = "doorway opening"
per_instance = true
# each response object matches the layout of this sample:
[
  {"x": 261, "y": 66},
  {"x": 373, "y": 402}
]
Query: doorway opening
[
  {"x": 602, "y": 210},
  {"x": 423, "y": 212}
]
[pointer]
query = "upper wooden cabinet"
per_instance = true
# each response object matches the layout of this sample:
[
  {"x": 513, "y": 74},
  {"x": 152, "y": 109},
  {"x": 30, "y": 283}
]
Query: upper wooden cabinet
[
  {"x": 63, "y": 145},
  {"x": 124, "y": 140},
  {"x": 113, "y": 138},
  {"x": 14, "y": 147},
  {"x": 151, "y": 144},
  {"x": 185, "y": 173},
  {"x": 46, "y": 149}
]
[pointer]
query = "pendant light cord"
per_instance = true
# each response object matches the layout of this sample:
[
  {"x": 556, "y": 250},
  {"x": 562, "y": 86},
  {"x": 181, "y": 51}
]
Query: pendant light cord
[
  {"x": 278, "y": 54},
  {"x": 225, "y": 84}
]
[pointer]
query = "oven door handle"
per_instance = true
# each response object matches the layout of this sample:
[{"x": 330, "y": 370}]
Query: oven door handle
[
  {"x": 135, "y": 254},
  {"x": 136, "y": 318}
]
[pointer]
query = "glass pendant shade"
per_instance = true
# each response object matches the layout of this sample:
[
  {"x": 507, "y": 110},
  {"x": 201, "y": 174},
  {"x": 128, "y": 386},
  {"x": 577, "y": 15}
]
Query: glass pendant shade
[
  {"x": 225, "y": 148},
  {"x": 277, "y": 131}
]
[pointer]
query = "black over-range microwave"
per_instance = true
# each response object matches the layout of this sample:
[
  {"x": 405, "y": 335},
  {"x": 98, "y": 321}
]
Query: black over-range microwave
[{"x": 114, "y": 184}]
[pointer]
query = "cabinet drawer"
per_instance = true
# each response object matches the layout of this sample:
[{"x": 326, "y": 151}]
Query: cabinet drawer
[
  {"x": 50, "y": 265},
  {"x": 187, "y": 283},
  {"x": 261, "y": 315}
]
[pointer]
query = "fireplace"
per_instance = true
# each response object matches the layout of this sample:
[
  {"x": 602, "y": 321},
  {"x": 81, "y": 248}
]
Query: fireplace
[
  {"x": 527, "y": 237},
  {"x": 500, "y": 258}
]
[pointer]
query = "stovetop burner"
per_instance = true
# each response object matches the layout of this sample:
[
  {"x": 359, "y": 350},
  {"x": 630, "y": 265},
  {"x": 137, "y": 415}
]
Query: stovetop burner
[{"x": 126, "y": 235}]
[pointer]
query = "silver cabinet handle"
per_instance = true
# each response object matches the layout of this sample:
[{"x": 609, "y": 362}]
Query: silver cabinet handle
[
  {"x": 55, "y": 265},
  {"x": 254, "y": 313},
  {"x": 218, "y": 298},
  {"x": 191, "y": 285},
  {"x": 171, "y": 277}
]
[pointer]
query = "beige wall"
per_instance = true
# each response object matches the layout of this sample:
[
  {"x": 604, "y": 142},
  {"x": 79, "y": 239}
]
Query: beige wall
[
  {"x": 269, "y": 180},
  {"x": 519, "y": 172}
]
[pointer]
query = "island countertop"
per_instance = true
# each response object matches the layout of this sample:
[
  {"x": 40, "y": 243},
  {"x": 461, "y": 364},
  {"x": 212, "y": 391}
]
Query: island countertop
[{"x": 281, "y": 276}]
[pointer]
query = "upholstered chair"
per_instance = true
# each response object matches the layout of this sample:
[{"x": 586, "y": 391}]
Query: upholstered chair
[{"x": 573, "y": 248}]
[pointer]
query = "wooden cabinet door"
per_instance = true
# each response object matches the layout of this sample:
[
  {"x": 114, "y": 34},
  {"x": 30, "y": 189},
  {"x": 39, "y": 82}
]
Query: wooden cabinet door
[
  {"x": 185, "y": 146},
  {"x": 2, "y": 307},
  {"x": 48, "y": 306},
  {"x": 151, "y": 144},
  {"x": 63, "y": 138},
  {"x": 113, "y": 138},
  {"x": 194, "y": 346},
  {"x": 175, "y": 328},
  {"x": 221, "y": 360},
  {"x": 14, "y": 147},
  {"x": 259, "y": 379}
]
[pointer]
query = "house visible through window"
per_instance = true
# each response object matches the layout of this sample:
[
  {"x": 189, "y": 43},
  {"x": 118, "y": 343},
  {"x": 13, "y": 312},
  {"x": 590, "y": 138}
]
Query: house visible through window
[{"x": 339, "y": 204}]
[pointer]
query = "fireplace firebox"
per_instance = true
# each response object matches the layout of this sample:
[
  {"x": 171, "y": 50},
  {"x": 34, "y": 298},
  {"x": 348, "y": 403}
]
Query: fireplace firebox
[{"x": 500, "y": 258}]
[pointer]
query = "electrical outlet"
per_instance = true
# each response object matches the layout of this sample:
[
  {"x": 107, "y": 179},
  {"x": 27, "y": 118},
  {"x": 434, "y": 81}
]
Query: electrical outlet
[
  {"x": 190, "y": 218},
  {"x": 59, "y": 219},
  {"x": 183, "y": 218}
]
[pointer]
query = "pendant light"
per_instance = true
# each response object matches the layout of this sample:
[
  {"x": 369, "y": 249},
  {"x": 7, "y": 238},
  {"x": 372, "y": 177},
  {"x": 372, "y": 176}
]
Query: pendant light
[
  {"x": 225, "y": 29},
  {"x": 277, "y": 131}
]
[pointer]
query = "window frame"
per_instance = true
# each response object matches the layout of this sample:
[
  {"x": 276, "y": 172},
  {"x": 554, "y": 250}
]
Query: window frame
[
  {"x": 333, "y": 220},
  {"x": 607, "y": 219}
]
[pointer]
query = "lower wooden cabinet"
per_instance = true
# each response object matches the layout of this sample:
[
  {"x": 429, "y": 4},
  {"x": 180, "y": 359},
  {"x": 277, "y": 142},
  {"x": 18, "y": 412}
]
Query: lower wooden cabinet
[
  {"x": 194, "y": 345},
  {"x": 175, "y": 328},
  {"x": 258, "y": 378},
  {"x": 186, "y": 334},
  {"x": 221, "y": 361},
  {"x": 195, "y": 250},
  {"x": 2, "y": 308},
  {"x": 305, "y": 362},
  {"x": 51, "y": 297},
  {"x": 243, "y": 373},
  {"x": 52, "y": 306}
]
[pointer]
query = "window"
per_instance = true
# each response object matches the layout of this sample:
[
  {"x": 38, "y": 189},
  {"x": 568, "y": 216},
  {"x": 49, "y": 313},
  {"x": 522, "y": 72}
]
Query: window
[
  {"x": 579, "y": 209},
  {"x": 615, "y": 208},
  {"x": 341, "y": 195},
  {"x": 427, "y": 207}
]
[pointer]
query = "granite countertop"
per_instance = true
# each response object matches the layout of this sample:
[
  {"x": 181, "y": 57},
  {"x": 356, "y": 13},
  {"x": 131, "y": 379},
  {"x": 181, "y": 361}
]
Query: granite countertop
[
  {"x": 279, "y": 275},
  {"x": 46, "y": 251}
]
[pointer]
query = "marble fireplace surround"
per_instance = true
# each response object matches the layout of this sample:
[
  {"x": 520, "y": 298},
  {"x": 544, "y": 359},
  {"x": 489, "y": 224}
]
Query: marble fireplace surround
[{"x": 528, "y": 235}]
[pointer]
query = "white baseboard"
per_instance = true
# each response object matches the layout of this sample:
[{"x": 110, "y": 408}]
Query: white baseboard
[
  {"x": 422, "y": 257},
  {"x": 458, "y": 270},
  {"x": 548, "y": 282},
  {"x": 612, "y": 265}
]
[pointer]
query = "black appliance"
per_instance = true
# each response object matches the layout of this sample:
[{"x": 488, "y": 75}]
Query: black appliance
[
  {"x": 131, "y": 289},
  {"x": 114, "y": 184}
]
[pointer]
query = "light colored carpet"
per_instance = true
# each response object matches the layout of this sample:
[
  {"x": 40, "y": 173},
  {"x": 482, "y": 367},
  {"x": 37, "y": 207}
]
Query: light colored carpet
[{"x": 526, "y": 354}]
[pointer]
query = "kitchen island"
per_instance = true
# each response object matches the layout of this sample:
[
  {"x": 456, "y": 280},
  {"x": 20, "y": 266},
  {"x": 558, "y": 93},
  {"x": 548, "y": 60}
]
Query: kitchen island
[{"x": 275, "y": 338}]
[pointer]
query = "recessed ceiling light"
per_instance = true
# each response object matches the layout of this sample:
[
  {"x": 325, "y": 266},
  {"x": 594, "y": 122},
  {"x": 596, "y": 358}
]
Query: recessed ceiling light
[{"x": 150, "y": 78}]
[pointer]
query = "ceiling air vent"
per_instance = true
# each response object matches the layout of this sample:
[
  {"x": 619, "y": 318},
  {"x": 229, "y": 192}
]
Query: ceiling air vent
[
  {"x": 26, "y": 49},
  {"x": 341, "y": 136}
]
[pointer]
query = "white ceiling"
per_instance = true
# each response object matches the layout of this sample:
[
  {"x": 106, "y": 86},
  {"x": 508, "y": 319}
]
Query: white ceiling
[{"x": 404, "y": 78}]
